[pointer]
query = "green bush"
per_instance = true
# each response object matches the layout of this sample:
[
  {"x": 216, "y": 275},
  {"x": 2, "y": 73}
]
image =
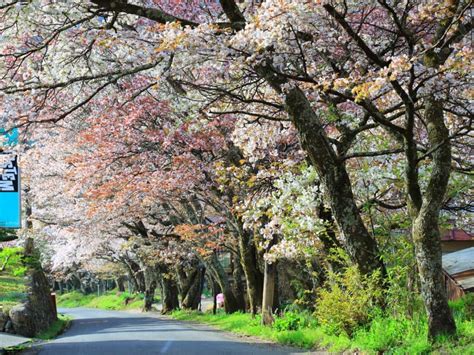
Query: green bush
[
  {"x": 463, "y": 308},
  {"x": 244, "y": 323},
  {"x": 19, "y": 271},
  {"x": 348, "y": 300},
  {"x": 294, "y": 321},
  {"x": 10, "y": 259},
  {"x": 289, "y": 321},
  {"x": 385, "y": 334}
]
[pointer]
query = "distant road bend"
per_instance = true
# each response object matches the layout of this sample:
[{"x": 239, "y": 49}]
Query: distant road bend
[{"x": 115, "y": 333}]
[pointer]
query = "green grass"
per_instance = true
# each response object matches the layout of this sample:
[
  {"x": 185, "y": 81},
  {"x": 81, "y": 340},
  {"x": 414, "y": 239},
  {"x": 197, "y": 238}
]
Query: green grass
[
  {"x": 386, "y": 335},
  {"x": 56, "y": 328},
  {"x": 112, "y": 300},
  {"x": 244, "y": 324},
  {"x": 12, "y": 291},
  {"x": 9, "y": 283}
]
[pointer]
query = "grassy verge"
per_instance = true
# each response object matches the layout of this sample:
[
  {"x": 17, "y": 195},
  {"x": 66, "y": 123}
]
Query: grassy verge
[
  {"x": 244, "y": 324},
  {"x": 384, "y": 334},
  {"x": 56, "y": 328},
  {"x": 12, "y": 281},
  {"x": 112, "y": 300},
  {"x": 12, "y": 291}
]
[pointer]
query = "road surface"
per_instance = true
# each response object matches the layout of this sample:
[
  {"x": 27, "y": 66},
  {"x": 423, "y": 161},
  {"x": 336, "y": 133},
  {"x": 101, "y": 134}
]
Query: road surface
[
  {"x": 8, "y": 340},
  {"x": 110, "y": 332}
]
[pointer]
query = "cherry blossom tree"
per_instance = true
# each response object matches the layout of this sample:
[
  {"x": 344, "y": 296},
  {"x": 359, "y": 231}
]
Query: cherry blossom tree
[{"x": 338, "y": 72}]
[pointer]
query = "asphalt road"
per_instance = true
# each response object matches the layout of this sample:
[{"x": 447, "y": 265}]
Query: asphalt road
[{"x": 109, "y": 332}]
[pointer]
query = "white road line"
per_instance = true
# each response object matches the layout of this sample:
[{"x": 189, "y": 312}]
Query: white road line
[{"x": 166, "y": 347}]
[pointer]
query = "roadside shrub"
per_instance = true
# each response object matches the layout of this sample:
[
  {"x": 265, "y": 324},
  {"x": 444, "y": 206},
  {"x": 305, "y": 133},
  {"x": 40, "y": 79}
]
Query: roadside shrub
[
  {"x": 384, "y": 334},
  {"x": 294, "y": 321},
  {"x": 289, "y": 321},
  {"x": 10, "y": 259},
  {"x": 20, "y": 271},
  {"x": 402, "y": 296},
  {"x": 463, "y": 308},
  {"x": 348, "y": 300}
]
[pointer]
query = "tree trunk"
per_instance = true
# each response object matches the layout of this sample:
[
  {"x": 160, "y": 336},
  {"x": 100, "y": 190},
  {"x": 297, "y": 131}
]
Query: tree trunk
[
  {"x": 268, "y": 293},
  {"x": 193, "y": 294},
  {"x": 215, "y": 292},
  {"x": 111, "y": 285},
  {"x": 237, "y": 286},
  {"x": 332, "y": 171},
  {"x": 170, "y": 294},
  {"x": 120, "y": 283},
  {"x": 137, "y": 276},
  {"x": 425, "y": 229},
  {"x": 141, "y": 284},
  {"x": 428, "y": 255},
  {"x": 276, "y": 292},
  {"x": 132, "y": 283},
  {"x": 230, "y": 302},
  {"x": 329, "y": 239},
  {"x": 184, "y": 281},
  {"x": 358, "y": 243},
  {"x": 61, "y": 287},
  {"x": 149, "y": 296},
  {"x": 269, "y": 287},
  {"x": 253, "y": 276},
  {"x": 74, "y": 281},
  {"x": 149, "y": 273}
]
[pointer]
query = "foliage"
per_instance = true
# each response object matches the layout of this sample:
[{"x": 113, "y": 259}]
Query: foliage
[
  {"x": 10, "y": 261},
  {"x": 387, "y": 333},
  {"x": 384, "y": 334},
  {"x": 402, "y": 297},
  {"x": 348, "y": 300},
  {"x": 289, "y": 212},
  {"x": 245, "y": 324},
  {"x": 403, "y": 335},
  {"x": 294, "y": 321},
  {"x": 463, "y": 308}
]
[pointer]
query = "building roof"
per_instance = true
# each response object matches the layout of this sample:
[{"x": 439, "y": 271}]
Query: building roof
[
  {"x": 467, "y": 283},
  {"x": 457, "y": 235},
  {"x": 460, "y": 266}
]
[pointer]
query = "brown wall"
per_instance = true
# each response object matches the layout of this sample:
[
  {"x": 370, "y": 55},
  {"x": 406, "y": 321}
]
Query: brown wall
[
  {"x": 453, "y": 290},
  {"x": 452, "y": 245}
]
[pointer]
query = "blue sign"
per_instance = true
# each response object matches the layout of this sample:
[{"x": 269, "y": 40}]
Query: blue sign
[
  {"x": 10, "y": 206},
  {"x": 10, "y": 189}
]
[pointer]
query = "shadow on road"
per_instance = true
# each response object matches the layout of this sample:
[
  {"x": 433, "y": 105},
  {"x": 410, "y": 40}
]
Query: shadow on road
[
  {"x": 161, "y": 347},
  {"x": 127, "y": 325},
  {"x": 96, "y": 332}
]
